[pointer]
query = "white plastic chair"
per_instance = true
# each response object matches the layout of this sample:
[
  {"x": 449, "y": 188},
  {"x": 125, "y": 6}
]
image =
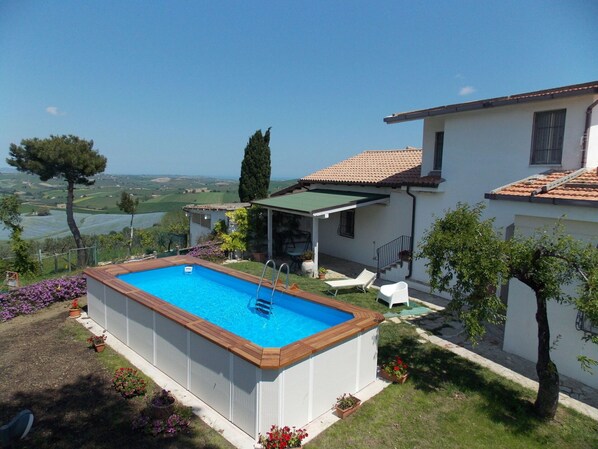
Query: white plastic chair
[{"x": 394, "y": 294}]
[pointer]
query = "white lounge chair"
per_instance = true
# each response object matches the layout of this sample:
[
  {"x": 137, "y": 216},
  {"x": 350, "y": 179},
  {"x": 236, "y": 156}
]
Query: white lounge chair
[
  {"x": 394, "y": 294},
  {"x": 363, "y": 281}
]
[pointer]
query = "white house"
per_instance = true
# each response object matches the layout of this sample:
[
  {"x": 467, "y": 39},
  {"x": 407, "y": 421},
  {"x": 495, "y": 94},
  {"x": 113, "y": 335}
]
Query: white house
[
  {"x": 533, "y": 158},
  {"x": 203, "y": 218},
  {"x": 471, "y": 152},
  {"x": 360, "y": 209}
]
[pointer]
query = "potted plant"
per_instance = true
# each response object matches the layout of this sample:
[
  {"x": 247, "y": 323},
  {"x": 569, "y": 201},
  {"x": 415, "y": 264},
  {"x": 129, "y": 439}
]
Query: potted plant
[
  {"x": 75, "y": 309},
  {"x": 98, "y": 342},
  {"x": 346, "y": 404},
  {"x": 161, "y": 405},
  {"x": 322, "y": 272},
  {"x": 405, "y": 255},
  {"x": 395, "y": 370},
  {"x": 307, "y": 266},
  {"x": 281, "y": 437}
]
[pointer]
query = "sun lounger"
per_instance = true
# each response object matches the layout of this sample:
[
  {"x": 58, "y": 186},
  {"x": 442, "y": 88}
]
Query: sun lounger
[{"x": 363, "y": 281}]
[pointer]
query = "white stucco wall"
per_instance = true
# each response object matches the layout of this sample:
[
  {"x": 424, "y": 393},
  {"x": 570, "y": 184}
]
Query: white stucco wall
[
  {"x": 196, "y": 231},
  {"x": 374, "y": 226},
  {"x": 486, "y": 149},
  {"x": 521, "y": 328}
]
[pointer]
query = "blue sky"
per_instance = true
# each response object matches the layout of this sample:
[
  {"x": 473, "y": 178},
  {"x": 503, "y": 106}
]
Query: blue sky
[{"x": 178, "y": 87}]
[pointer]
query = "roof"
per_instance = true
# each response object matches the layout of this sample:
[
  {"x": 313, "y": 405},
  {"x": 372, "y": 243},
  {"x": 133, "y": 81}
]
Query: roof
[
  {"x": 547, "y": 94},
  {"x": 222, "y": 206},
  {"x": 380, "y": 168},
  {"x": 567, "y": 187},
  {"x": 321, "y": 202}
]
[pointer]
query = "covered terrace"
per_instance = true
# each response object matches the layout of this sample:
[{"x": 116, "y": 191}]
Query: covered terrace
[{"x": 318, "y": 204}]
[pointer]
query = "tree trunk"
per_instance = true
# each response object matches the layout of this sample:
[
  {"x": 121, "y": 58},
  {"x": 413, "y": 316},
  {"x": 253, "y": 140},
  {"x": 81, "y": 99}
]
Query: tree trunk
[
  {"x": 131, "y": 236},
  {"x": 70, "y": 219},
  {"x": 548, "y": 392}
]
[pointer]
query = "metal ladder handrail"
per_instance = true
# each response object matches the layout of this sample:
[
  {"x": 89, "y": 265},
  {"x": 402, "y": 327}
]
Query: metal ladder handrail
[
  {"x": 263, "y": 274},
  {"x": 276, "y": 283}
]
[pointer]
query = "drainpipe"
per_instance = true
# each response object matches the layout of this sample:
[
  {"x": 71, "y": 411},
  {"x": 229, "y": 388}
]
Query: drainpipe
[
  {"x": 412, "y": 232},
  {"x": 584, "y": 144}
]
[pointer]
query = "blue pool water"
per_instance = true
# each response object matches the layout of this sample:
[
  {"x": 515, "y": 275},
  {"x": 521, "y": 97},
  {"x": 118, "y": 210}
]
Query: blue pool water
[{"x": 229, "y": 302}]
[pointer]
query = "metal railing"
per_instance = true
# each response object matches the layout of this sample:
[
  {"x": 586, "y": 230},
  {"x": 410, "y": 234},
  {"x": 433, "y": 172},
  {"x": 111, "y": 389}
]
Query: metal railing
[{"x": 393, "y": 253}]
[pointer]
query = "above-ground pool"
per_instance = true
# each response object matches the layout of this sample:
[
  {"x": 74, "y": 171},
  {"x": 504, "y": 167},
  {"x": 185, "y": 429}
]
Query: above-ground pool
[
  {"x": 229, "y": 302},
  {"x": 256, "y": 370}
]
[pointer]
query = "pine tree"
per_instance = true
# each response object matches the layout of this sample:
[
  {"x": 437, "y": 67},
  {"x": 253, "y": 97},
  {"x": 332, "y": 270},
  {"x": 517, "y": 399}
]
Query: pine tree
[{"x": 255, "y": 168}]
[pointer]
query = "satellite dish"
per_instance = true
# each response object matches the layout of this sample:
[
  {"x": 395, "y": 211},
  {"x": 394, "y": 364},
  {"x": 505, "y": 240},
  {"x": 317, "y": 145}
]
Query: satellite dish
[{"x": 16, "y": 429}]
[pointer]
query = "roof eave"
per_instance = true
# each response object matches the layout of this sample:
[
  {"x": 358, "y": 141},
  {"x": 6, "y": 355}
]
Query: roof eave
[
  {"x": 489, "y": 103},
  {"x": 394, "y": 185},
  {"x": 542, "y": 200}
]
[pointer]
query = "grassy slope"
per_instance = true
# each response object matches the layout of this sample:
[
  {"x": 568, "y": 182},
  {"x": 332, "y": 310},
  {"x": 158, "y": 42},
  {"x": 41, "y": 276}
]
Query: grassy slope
[{"x": 448, "y": 402}]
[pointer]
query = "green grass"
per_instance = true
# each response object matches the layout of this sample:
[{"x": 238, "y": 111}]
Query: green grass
[{"x": 448, "y": 401}]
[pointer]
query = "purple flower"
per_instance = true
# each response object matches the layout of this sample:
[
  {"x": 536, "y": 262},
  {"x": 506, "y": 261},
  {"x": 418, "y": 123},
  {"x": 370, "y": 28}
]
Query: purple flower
[{"x": 31, "y": 298}]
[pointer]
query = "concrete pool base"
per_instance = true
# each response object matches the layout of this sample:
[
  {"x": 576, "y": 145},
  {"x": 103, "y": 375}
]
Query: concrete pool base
[{"x": 224, "y": 427}]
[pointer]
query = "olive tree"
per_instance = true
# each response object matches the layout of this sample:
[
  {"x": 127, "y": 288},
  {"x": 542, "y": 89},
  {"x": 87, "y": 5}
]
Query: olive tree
[
  {"x": 67, "y": 157},
  {"x": 468, "y": 259}
]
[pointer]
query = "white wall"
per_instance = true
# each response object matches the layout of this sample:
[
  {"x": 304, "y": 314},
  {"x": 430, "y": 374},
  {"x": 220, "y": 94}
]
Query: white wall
[
  {"x": 374, "y": 226},
  {"x": 592, "y": 151},
  {"x": 196, "y": 231},
  {"x": 521, "y": 328},
  {"x": 486, "y": 149}
]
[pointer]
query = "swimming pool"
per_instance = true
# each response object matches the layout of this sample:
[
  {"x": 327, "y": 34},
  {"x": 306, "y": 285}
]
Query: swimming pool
[
  {"x": 229, "y": 302},
  {"x": 252, "y": 385}
]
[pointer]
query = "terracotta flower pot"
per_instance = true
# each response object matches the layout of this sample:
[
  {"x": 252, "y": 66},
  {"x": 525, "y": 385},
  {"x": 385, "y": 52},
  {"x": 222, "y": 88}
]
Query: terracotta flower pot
[
  {"x": 99, "y": 347},
  {"x": 394, "y": 379},
  {"x": 161, "y": 411},
  {"x": 343, "y": 413},
  {"x": 74, "y": 313}
]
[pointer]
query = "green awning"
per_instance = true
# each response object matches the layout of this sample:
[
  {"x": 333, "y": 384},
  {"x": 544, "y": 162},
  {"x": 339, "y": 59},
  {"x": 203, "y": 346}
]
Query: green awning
[{"x": 320, "y": 202}]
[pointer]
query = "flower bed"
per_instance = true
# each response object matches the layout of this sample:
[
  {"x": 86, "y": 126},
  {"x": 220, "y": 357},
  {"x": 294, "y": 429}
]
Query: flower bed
[{"x": 31, "y": 298}]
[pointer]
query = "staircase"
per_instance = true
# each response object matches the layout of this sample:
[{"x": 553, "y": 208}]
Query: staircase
[{"x": 393, "y": 254}]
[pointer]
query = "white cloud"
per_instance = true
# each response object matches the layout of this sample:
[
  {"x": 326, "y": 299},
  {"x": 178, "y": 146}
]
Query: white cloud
[
  {"x": 466, "y": 90},
  {"x": 53, "y": 110}
]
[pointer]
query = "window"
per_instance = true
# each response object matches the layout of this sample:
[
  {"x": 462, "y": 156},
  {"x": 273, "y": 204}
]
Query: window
[
  {"x": 204, "y": 220},
  {"x": 346, "y": 227},
  {"x": 547, "y": 140},
  {"x": 438, "y": 146}
]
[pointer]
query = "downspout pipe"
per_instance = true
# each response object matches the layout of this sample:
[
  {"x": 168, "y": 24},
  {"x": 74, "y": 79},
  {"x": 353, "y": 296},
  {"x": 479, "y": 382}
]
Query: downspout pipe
[
  {"x": 584, "y": 144},
  {"x": 414, "y": 203}
]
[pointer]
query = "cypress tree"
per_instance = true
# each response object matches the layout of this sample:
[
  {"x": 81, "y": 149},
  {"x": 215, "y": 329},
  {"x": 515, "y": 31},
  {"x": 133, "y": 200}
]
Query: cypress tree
[{"x": 255, "y": 168}]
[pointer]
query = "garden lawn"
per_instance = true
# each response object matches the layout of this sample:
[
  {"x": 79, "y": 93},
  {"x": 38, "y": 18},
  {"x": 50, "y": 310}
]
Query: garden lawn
[{"x": 448, "y": 401}]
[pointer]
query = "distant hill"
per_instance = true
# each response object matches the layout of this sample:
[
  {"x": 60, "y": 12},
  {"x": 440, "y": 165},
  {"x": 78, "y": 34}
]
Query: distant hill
[
  {"x": 157, "y": 193},
  {"x": 8, "y": 170}
]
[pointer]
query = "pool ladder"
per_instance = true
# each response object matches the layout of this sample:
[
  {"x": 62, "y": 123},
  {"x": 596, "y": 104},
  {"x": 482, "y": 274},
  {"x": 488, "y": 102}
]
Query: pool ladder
[{"x": 263, "y": 305}]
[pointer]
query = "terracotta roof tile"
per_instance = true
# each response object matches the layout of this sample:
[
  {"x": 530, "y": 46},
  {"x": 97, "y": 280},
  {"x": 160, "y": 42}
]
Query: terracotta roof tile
[
  {"x": 381, "y": 168},
  {"x": 553, "y": 187}
]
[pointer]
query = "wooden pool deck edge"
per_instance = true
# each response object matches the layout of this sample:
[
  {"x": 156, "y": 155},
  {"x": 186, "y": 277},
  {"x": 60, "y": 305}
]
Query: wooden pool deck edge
[{"x": 265, "y": 358}]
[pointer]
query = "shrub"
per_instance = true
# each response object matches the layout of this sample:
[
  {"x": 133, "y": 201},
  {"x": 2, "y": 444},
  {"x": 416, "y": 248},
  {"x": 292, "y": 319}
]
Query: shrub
[
  {"x": 128, "y": 383},
  {"x": 31, "y": 298}
]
